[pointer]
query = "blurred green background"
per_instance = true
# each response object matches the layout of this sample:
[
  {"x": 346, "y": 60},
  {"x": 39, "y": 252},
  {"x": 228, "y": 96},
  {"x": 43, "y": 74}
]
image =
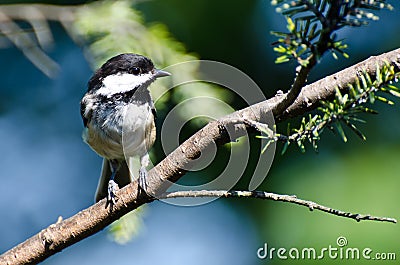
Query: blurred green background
[{"x": 48, "y": 171}]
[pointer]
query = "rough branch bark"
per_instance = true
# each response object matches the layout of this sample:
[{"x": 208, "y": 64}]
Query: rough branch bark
[
  {"x": 93, "y": 219},
  {"x": 276, "y": 197}
]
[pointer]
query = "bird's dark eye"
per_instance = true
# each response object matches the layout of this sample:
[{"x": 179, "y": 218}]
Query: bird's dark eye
[{"x": 135, "y": 70}]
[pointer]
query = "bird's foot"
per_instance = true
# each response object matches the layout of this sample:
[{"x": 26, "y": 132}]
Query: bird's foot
[
  {"x": 111, "y": 190},
  {"x": 143, "y": 179}
]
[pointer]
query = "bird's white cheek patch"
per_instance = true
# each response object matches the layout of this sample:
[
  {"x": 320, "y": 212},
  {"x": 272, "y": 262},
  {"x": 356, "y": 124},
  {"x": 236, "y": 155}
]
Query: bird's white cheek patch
[{"x": 120, "y": 83}]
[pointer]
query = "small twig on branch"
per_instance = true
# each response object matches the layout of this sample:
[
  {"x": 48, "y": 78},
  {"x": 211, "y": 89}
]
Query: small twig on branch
[
  {"x": 301, "y": 78},
  {"x": 275, "y": 197}
]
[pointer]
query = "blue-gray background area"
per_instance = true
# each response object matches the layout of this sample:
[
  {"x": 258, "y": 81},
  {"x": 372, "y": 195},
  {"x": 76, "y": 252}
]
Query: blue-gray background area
[{"x": 47, "y": 171}]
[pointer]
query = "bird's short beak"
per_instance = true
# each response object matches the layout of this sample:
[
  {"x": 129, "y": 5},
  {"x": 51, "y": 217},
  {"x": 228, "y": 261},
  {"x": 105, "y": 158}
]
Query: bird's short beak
[{"x": 161, "y": 73}]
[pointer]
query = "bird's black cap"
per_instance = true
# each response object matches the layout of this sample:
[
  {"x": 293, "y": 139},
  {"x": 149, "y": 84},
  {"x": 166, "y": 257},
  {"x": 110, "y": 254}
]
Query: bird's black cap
[{"x": 123, "y": 63}]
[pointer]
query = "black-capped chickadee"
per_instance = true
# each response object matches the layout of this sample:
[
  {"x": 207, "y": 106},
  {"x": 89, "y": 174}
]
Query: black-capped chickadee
[{"x": 118, "y": 114}]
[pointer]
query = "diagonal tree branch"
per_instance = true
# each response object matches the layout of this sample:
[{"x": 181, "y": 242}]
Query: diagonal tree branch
[{"x": 93, "y": 219}]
